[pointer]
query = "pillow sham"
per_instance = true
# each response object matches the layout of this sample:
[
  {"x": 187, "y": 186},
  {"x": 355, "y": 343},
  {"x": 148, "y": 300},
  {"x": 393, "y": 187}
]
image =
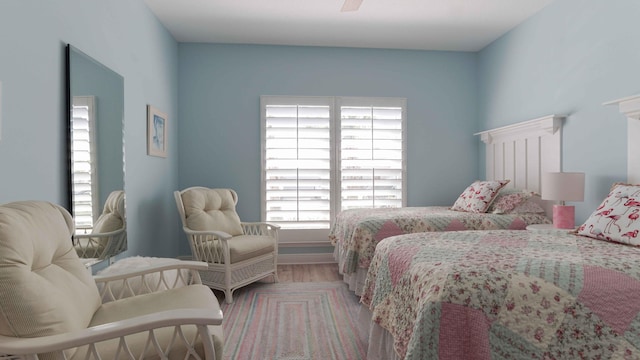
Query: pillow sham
[
  {"x": 478, "y": 196},
  {"x": 616, "y": 219},
  {"x": 613, "y": 186},
  {"x": 531, "y": 205},
  {"x": 516, "y": 201}
]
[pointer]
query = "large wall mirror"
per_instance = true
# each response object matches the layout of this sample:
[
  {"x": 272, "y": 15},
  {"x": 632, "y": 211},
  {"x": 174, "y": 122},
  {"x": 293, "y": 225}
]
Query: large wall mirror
[{"x": 96, "y": 156}]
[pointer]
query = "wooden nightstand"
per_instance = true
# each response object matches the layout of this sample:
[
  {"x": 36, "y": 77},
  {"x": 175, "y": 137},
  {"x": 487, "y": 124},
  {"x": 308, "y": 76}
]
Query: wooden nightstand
[{"x": 537, "y": 227}]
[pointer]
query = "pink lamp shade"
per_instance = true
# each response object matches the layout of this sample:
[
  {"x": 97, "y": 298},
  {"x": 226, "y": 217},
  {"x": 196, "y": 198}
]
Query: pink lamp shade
[{"x": 563, "y": 186}]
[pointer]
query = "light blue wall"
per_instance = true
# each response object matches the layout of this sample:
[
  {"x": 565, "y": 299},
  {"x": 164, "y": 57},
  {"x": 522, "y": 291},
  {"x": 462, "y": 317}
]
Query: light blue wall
[
  {"x": 123, "y": 35},
  {"x": 220, "y": 86},
  {"x": 569, "y": 59}
]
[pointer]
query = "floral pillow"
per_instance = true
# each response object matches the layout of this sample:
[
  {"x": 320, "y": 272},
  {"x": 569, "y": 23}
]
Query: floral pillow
[
  {"x": 616, "y": 219},
  {"x": 531, "y": 205},
  {"x": 613, "y": 186},
  {"x": 515, "y": 201},
  {"x": 478, "y": 196}
]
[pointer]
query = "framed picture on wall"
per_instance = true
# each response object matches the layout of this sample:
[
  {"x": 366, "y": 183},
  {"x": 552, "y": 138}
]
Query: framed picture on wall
[{"x": 156, "y": 132}]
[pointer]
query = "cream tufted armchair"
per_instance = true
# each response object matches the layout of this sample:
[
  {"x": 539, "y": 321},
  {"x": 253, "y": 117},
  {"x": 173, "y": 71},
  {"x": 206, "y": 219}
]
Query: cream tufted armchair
[
  {"x": 50, "y": 306},
  {"x": 109, "y": 235},
  {"x": 238, "y": 253}
]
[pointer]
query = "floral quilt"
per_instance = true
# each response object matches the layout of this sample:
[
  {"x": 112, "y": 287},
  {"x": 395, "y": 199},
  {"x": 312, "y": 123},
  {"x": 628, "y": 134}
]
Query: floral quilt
[
  {"x": 506, "y": 295},
  {"x": 358, "y": 231}
]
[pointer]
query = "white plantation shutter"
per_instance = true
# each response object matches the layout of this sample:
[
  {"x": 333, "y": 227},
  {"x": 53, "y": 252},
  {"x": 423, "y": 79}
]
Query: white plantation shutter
[
  {"x": 83, "y": 161},
  {"x": 319, "y": 158},
  {"x": 297, "y": 162},
  {"x": 372, "y": 154}
]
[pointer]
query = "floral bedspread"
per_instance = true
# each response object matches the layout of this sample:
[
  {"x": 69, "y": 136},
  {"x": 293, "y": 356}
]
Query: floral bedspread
[
  {"x": 506, "y": 295},
  {"x": 358, "y": 231}
]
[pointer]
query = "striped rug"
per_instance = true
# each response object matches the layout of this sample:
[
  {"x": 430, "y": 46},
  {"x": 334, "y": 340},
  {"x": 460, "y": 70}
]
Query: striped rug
[{"x": 293, "y": 321}]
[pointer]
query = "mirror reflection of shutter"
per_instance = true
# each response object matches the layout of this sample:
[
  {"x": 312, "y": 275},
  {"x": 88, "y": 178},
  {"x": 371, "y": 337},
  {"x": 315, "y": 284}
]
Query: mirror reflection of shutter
[
  {"x": 371, "y": 156},
  {"x": 83, "y": 162},
  {"x": 298, "y": 165}
]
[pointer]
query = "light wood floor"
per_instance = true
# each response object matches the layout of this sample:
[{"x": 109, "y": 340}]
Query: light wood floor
[
  {"x": 308, "y": 273},
  {"x": 298, "y": 273}
]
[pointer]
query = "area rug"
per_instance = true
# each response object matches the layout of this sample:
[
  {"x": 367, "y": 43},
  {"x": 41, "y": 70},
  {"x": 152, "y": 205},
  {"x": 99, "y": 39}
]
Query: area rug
[{"x": 293, "y": 321}]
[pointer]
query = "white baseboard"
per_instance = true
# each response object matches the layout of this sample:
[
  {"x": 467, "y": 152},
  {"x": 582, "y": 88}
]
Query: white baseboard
[{"x": 296, "y": 259}]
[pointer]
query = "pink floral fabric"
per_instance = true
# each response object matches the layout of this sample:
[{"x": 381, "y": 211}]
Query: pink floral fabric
[
  {"x": 529, "y": 206},
  {"x": 356, "y": 232},
  {"x": 515, "y": 201},
  {"x": 478, "y": 196},
  {"x": 506, "y": 294},
  {"x": 616, "y": 219}
]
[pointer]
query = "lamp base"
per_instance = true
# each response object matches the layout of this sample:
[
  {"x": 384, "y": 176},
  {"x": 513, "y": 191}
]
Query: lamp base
[{"x": 564, "y": 217}]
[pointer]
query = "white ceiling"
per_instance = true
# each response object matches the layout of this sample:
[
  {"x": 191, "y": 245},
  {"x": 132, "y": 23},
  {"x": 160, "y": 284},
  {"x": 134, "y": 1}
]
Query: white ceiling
[{"x": 456, "y": 25}]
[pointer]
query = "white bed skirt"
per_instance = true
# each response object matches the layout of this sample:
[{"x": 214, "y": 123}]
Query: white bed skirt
[
  {"x": 354, "y": 280},
  {"x": 380, "y": 341}
]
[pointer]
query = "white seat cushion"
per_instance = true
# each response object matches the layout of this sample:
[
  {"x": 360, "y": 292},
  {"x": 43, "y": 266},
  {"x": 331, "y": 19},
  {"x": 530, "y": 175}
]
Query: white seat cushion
[
  {"x": 193, "y": 296},
  {"x": 245, "y": 247}
]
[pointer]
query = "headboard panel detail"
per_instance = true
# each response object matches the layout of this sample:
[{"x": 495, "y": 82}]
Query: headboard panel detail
[
  {"x": 630, "y": 107},
  {"x": 522, "y": 152}
]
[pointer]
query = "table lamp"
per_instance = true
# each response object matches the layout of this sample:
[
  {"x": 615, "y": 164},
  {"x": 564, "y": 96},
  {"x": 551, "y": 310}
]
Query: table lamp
[{"x": 563, "y": 186}]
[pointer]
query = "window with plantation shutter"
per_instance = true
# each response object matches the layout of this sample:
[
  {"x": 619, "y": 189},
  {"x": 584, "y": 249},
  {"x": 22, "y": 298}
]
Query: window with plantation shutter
[
  {"x": 83, "y": 162},
  {"x": 371, "y": 153},
  {"x": 321, "y": 155},
  {"x": 297, "y": 161}
]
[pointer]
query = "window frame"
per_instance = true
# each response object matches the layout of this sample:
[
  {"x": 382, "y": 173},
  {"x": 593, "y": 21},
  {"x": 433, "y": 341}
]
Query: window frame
[
  {"x": 335, "y": 104},
  {"x": 368, "y": 102}
]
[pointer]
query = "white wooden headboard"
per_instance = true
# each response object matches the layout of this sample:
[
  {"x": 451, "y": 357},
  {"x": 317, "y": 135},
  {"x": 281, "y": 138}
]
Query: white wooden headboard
[
  {"x": 630, "y": 107},
  {"x": 522, "y": 152}
]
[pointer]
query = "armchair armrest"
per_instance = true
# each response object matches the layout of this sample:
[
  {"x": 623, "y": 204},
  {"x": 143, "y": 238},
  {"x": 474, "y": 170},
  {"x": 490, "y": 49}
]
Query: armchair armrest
[
  {"x": 98, "y": 235},
  {"x": 118, "y": 329},
  {"x": 204, "y": 245},
  {"x": 260, "y": 228},
  {"x": 158, "y": 276},
  {"x": 99, "y": 245},
  {"x": 257, "y": 223},
  {"x": 166, "y": 264}
]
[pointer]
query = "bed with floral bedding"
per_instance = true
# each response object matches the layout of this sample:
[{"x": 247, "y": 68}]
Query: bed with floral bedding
[
  {"x": 513, "y": 294},
  {"x": 356, "y": 232}
]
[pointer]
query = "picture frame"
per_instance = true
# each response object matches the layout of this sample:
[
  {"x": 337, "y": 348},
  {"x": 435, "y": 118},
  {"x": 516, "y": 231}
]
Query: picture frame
[{"x": 156, "y": 132}]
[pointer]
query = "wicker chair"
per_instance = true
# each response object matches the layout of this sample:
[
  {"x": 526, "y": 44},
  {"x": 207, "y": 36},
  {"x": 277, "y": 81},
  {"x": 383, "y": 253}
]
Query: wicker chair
[
  {"x": 52, "y": 309},
  {"x": 109, "y": 235},
  {"x": 238, "y": 253}
]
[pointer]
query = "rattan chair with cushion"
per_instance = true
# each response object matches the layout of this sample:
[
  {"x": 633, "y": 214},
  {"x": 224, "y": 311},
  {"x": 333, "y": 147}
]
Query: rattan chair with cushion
[
  {"x": 238, "y": 253},
  {"x": 109, "y": 234},
  {"x": 50, "y": 306}
]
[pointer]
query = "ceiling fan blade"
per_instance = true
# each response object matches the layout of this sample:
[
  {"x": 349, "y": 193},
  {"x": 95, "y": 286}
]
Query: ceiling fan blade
[{"x": 351, "y": 5}]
